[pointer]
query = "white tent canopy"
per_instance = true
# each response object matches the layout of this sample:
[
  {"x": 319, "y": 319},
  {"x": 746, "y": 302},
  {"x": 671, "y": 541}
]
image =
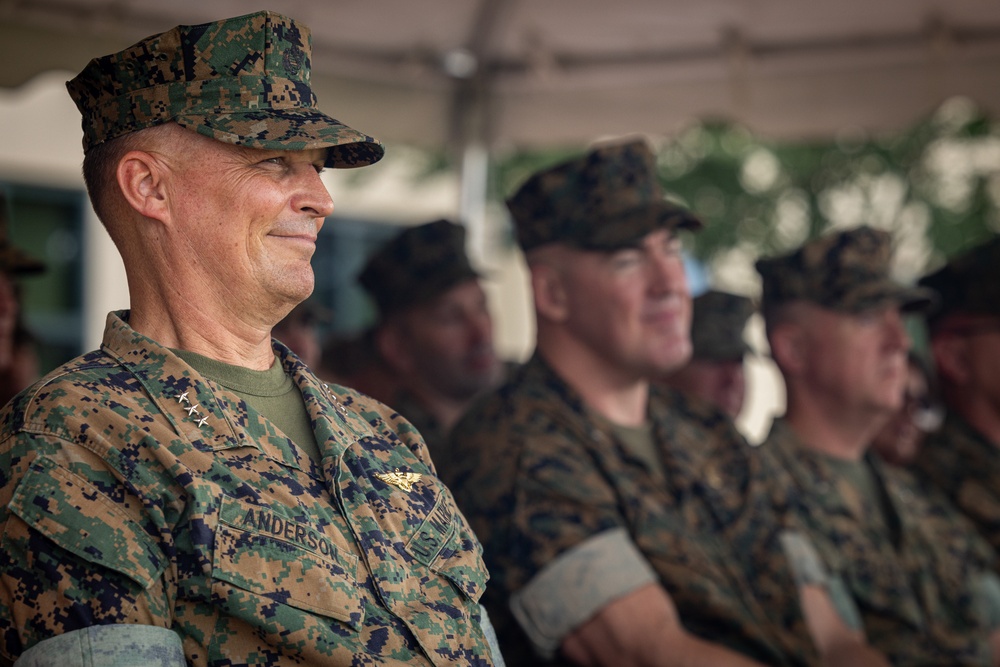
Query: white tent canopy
[
  {"x": 519, "y": 72},
  {"x": 480, "y": 75}
]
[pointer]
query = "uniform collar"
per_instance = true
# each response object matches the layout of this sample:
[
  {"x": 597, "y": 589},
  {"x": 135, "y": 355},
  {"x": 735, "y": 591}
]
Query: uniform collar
[{"x": 211, "y": 417}]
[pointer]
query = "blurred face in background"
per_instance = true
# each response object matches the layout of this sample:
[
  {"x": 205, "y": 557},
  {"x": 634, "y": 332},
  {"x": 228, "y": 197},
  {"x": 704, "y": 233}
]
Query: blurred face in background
[
  {"x": 721, "y": 383},
  {"x": 447, "y": 342},
  {"x": 630, "y": 307},
  {"x": 856, "y": 361}
]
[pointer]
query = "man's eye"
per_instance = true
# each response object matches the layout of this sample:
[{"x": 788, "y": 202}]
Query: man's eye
[{"x": 625, "y": 259}]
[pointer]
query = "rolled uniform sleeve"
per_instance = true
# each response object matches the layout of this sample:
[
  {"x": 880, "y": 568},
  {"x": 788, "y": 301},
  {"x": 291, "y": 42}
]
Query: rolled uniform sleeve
[
  {"x": 556, "y": 499},
  {"x": 491, "y": 637},
  {"x": 572, "y": 588},
  {"x": 108, "y": 646}
]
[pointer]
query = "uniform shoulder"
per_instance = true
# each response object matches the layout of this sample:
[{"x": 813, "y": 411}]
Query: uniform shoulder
[
  {"x": 64, "y": 391},
  {"x": 532, "y": 402},
  {"x": 383, "y": 418},
  {"x": 693, "y": 417}
]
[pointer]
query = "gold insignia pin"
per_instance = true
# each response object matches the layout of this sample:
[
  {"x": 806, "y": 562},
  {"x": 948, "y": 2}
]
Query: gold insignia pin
[{"x": 402, "y": 480}]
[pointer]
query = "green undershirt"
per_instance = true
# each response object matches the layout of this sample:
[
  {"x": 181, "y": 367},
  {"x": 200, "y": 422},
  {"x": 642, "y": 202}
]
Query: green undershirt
[
  {"x": 862, "y": 478},
  {"x": 271, "y": 393},
  {"x": 638, "y": 440}
]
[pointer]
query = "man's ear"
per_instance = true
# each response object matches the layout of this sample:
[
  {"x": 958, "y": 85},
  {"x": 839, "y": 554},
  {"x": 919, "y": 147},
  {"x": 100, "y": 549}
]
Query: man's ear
[
  {"x": 141, "y": 180},
  {"x": 951, "y": 357},
  {"x": 549, "y": 289},
  {"x": 788, "y": 347}
]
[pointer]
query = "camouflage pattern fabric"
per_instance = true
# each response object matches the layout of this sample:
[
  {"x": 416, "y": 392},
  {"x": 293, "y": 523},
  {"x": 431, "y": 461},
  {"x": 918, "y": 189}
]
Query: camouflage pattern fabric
[
  {"x": 417, "y": 265},
  {"x": 431, "y": 430},
  {"x": 607, "y": 199},
  {"x": 916, "y": 596},
  {"x": 847, "y": 271},
  {"x": 965, "y": 466},
  {"x": 129, "y": 645},
  {"x": 968, "y": 283},
  {"x": 717, "y": 323},
  {"x": 136, "y": 491},
  {"x": 243, "y": 80},
  {"x": 537, "y": 475}
]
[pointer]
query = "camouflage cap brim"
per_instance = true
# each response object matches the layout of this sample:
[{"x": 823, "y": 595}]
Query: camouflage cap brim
[
  {"x": 629, "y": 228},
  {"x": 845, "y": 271},
  {"x": 290, "y": 130},
  {"x": 606, "y": 199},
  {"x": 243, "y": 80},
  {"x": 909, "y": 299}
]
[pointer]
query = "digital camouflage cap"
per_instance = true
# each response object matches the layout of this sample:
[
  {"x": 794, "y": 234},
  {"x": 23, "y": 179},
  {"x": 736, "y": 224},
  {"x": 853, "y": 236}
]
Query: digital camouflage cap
[
  {"x": 243, "y": 80},
  {"x": 846, "y": 271},
  {"x": 717, "y": 323},
  {"x": 605, "y": 200},
  {"x": 968, "y": 284},
  {"x": 417, "y": 265}
]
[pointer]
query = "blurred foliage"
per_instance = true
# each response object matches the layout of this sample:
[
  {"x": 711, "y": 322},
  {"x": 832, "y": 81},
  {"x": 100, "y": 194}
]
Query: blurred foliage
[{"x": 936, "y": 187}]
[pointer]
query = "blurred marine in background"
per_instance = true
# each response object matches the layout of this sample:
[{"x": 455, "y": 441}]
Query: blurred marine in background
[
  {"x": 715, "y": 372},
  {"x": 434, "y": 329}
]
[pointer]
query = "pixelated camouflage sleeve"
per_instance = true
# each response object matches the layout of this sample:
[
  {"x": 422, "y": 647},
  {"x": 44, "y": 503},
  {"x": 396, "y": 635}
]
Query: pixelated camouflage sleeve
[
  {"x": 564, "y": 502},
  {"x": 578, "y": 584},
  {"x": 79, "y": 542},
  {"x": 128, "y": 645}
]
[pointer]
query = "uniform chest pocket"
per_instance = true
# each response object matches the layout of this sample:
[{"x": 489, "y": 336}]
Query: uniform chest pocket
[
  {"x": 262, "y": 557},
  {"x": 445, "y": 545}
]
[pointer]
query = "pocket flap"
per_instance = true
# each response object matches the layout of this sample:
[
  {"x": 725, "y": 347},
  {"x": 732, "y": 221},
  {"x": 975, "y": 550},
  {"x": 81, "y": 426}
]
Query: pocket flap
[
  {"x": 81, "y": 519},
  {"x": 286, "y": 561}
]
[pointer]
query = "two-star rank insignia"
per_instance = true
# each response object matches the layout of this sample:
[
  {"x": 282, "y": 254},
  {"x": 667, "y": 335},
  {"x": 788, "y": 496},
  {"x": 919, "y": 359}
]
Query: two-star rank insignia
[{"x": 402, "y": 480}]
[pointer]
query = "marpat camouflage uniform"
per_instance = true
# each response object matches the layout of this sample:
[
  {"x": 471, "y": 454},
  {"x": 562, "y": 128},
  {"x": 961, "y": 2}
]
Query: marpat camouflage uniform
[
  {"x": 538, "y": 475},
  {"x": 920, "y": 583},
  {"x": 965, "y": 466},
  {"x": 135, "y": 491},
  {"x": 431, "y": 430},
  {"x": 958, "y": 459},
  {"x": 917, "y": 595}
]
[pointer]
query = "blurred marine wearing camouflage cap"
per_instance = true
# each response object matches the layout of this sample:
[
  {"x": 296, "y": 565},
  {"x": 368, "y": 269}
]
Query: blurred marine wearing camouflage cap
[
  {"x": 243, "y": 80},
  {"x": 608, "y": 199},
  {"x": 846, "y": 271},
  {"x": 968, "y": 284},
  {"x": 962, "y": 457},
  {"x": 715, "y": 372},
  {"x": 417, "y": 265},
  {"x": 717, "y": 323},
  {"x": 435, "y": 331}
]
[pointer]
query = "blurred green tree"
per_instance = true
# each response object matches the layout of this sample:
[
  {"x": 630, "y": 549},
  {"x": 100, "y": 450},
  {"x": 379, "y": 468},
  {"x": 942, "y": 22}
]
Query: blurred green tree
[{"x": 936, "y": 187}]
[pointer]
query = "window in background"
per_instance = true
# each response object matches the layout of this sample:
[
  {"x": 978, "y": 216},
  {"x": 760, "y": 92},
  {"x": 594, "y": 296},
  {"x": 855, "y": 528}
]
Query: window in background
[
  {"x": 47, "y": 223},
  {"x": 342, "y": 249}
]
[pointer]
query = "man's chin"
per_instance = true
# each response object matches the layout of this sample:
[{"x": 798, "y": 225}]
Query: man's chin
[{"x": 673, "y": 355}]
